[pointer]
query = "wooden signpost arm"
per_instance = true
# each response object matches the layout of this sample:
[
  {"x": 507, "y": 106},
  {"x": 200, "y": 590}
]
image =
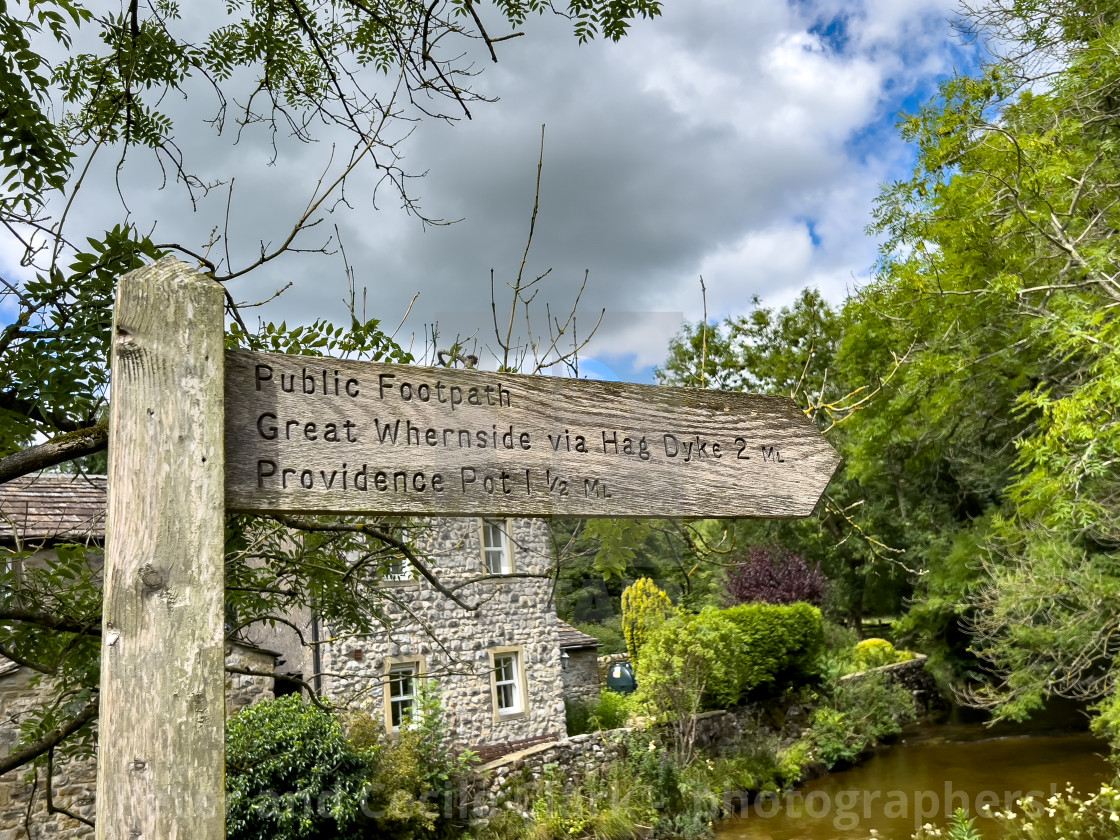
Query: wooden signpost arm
[{"x": 161, "y": 762}]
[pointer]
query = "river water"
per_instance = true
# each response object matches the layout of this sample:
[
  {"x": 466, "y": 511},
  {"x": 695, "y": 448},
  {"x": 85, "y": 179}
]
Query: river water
[{"x": 923, "y": 779}]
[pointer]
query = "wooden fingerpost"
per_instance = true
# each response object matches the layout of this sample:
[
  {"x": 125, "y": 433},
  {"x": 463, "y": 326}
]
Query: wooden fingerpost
[{"x": 161, "y": 762}]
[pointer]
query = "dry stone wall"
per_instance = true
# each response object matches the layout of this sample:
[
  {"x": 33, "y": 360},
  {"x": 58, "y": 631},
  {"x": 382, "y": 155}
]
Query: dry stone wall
[{"x": 454, "y": 645}]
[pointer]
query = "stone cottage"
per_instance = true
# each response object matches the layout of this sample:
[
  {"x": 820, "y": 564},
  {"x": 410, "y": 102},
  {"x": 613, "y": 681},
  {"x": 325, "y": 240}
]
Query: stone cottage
[
  {"x": 495, "y": 655},
  {"x": 579, "y": 663}
]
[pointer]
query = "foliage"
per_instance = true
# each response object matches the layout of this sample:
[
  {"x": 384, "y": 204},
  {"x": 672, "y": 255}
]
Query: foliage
[
  {"x": 291, "y": 773},
  {"x": 606, "y": 806},
  {"x": 999, "y": 270},
  {"x": 857, "y": 714},
  {"x": 293, "y": 770},
  {"x": 644, "y": 608},
  {"x": 875, "y": 653},
  {"x": 774, "y": 576},
  {"x": 721, "y": 657},
  {"x": 779, "y": 646},
  {"x": 418, "y": 773},
  {"x": 683, "y": 658},
  {"x": 611, "y": 711},
  {"x": 608, "y": 632},
  {"x": 1061, "y": 815},
  {"x": 1106, "y": 724},
  {"x": 861, "y": 533},
  {"x": 758, "y": 763}
]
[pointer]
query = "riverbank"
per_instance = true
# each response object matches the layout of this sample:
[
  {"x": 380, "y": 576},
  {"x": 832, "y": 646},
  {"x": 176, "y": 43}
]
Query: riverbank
[{"x": 923, "y": 778}]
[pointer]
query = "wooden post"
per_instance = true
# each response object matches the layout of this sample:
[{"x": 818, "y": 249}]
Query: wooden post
[{"x": 161, "y": 761}]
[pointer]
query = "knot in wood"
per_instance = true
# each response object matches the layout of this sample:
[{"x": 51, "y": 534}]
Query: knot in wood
[{"x": 151, "y": 577}]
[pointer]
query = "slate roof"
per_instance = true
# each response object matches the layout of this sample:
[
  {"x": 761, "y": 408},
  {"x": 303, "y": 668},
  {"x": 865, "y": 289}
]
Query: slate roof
[
  {"x": 570, "y": 637},
  {"x": 49, "y": 507}
]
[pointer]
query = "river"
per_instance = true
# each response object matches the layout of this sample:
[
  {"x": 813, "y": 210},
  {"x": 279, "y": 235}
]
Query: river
[{"x": 922, "y": 779}]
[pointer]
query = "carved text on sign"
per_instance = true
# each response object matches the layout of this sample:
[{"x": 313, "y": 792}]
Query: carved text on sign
[{"x": 308, "y": 434}]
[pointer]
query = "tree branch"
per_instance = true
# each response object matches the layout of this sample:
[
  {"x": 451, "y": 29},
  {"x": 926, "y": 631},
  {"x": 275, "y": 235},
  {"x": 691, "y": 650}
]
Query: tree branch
[
  {"x": 50, "y": 740},
  {"x": 58, "y": 450},
  {"x": 360, "y": 528},
  {"x": 53, "y": 622}
]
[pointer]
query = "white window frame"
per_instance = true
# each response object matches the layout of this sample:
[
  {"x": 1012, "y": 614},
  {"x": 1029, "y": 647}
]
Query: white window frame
[
  {"x": 399, "y": 571},
  {"x": 416, "y": 668},
  {"x": 502, "y": 552},
  {"x": 507, "y": 683}
]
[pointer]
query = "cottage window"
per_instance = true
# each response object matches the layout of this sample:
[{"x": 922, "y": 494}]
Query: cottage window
[
  {"x": 508, "y": 683},
  {"x": 398, "y": 570},
  {"x": 497, "y": 555},
  {"x": 403, "y": 686}
]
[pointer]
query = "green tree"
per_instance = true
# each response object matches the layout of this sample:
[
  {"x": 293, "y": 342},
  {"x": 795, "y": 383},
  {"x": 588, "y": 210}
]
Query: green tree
[
  {"x": 1001, "y": 268},
  {"x": 861, "y": 531}
]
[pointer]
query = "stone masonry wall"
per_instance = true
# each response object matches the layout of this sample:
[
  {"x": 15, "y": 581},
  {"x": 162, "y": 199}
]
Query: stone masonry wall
[
  {"x": 581, "y": 675},
  {"x": 454, "y": 645},
  {"x": 74, "y": 783}
]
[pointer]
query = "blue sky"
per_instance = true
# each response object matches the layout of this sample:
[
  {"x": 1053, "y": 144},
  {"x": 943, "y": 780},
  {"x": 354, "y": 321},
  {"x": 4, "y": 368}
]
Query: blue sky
[{"x": 744, "y": 142}]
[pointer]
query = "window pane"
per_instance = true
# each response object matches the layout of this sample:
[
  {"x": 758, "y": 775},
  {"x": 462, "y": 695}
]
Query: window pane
[
  {"x": 495, "y": 547},
  {"x": 507, "y": 693},
  {"x": 402, "y": 692}
]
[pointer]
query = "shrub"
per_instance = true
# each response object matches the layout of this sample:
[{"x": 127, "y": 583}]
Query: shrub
[
  {"x": 608, "y": 632},
  {"x": 577, "y": 716},
  {"x": 684, "y": 660},
  {"x": 859, "y": 714},
  {"x": 1058, "y": 817},
  {"x": 605, "y": 806},
  {"x": 291, "y": 773},
  {"x": 644, "y": 608},
  {"x": 775, "y": 575},
  {"x": 779, "y": 646},
  {"x": 875, "y": 653},
  {"x": 415, "y": 776},
  {"x": 612, "y": 711}
]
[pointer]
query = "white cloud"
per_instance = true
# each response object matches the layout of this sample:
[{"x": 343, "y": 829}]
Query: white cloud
[{"x": 741, "y": 141}]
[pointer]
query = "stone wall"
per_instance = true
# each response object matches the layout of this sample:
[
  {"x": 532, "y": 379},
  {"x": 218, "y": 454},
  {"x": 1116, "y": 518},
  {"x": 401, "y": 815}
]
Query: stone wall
[
  {"x": 504, "y": 783},
  {"x": 914, "y": 677},
  {"x": 75, "y": 782},
  {"x": 454, "y": 646},
  {"x": 245, "y": 689},
  {"x": 580, "y": 673}
]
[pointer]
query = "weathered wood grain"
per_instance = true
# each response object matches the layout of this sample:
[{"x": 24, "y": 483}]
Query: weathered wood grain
[
  {"x": 161, "y": 761},
  {"x": 310, "y": 434}
]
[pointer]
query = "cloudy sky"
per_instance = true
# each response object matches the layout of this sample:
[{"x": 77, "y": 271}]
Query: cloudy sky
[{"x": 739, "y": 141}]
